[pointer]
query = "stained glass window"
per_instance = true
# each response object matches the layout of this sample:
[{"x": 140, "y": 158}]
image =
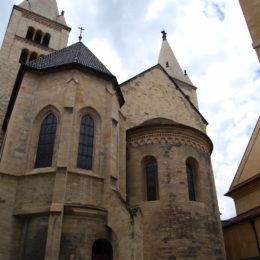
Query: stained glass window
[
  {"x": 86, "y": 143},
  {"x": 46, "y": 142}
]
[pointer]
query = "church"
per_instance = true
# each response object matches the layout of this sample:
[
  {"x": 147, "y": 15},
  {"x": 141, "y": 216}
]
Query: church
[{"x": 95, "y": 170}]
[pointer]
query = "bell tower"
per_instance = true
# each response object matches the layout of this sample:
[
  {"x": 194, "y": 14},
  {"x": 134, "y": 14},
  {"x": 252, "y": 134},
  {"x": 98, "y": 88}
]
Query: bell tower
[{"x": 35, "y": 28}]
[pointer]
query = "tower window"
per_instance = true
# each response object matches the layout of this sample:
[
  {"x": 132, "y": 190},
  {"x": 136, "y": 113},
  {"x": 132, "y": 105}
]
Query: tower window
[
  {"x": 38, "y": 37},
  {"x": 86, "y": 142},
  {"x": 151, "y": 180},
  {"x": 33, "y": 56},
  {"x": 190, "y": 179},
  {"x": 46, "y": 40},
  {"x": 46, "y": 142},
  {"x": 24, "y": 56},
  {"x": 30, "y": 33}
]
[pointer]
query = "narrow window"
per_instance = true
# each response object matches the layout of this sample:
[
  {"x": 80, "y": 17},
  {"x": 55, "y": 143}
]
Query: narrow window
[
  {"x": 33, "y": 56},
  {"x": 151, "y": 180},
  {"x": 46, "y": 142},
  {"x": 86, "y": 141},
  {"x": 30, "y": 33},
  {"x": 24, "y": 56},
  {"x": 190, "y": 178},
  {"x": 38, "y": 37},
  {"x": 46, "y": 40}
]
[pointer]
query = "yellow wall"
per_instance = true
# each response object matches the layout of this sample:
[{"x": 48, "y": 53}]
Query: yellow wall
[
  {"x": 240, "y": 241},
  {"x": 251, "y": 10}
]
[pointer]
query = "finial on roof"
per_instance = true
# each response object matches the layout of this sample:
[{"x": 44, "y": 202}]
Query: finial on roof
[
  {"x": 29, "y": 3},
  {"x": 80, "y": 36},
  {"x": 164, "y": 35},
  {"x": 185, "y": 72}
]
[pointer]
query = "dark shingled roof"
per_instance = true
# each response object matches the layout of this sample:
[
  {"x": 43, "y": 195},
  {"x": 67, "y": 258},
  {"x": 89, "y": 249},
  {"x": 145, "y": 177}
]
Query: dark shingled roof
[{"x": 77, "y": 53}]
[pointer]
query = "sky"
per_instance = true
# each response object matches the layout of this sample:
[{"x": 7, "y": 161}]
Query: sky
[{"x": 211, "y": 41}]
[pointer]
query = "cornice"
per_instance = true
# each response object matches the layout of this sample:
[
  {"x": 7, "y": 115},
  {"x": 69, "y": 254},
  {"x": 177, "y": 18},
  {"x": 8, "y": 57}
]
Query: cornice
[
  {"x": 169, "y": 134},
  {"x": 39, "y": 46},
  {"x": 42, "y": 20}
]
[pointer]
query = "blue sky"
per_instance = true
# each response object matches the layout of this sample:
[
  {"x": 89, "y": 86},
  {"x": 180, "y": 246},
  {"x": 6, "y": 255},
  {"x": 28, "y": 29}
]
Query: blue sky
[{"x": 210, "y": 40}]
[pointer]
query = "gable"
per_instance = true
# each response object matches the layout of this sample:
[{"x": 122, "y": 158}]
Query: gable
[
  {"x": 154, "y": 94},
  {"x": 249, "y": 165}
]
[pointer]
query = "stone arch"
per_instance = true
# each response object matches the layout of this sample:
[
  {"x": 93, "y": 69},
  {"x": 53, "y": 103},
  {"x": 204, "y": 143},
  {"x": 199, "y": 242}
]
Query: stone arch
[
  {"x": 102, "y": 250},
  {"x": 46, "y": 39},
  {"x": 38, "y": 36},
  {"x": 30, "y": 33},
  {"x": 33, "y": 56},
  {"x": 24, "y": 56}
]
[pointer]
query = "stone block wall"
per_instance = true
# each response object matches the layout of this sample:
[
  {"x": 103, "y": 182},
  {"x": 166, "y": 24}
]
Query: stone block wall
[{"x": 175, "y": 227}]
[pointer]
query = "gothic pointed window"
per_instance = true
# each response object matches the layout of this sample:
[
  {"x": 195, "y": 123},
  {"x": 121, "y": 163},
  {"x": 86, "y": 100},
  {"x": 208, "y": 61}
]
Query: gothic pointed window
[
  {"x": 86, "y": 142},
  {"x": 190, "y": 179},
  {"x": 151, "y": 180},
  {"x": 46, "y": 142},
  {"x": 30, "y": 33}
]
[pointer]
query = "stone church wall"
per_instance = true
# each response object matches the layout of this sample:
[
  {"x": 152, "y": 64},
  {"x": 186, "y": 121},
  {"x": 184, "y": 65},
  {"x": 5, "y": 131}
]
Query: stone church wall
[
  {"x": 151, "y": 95},
  {"x": 173, "y": 221}
]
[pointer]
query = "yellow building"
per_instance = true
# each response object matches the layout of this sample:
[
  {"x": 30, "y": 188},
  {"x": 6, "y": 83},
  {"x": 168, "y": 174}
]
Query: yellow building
[
  {"x": 242, "y": 233},
  {"x": 94, "y": 170},
  {"x": 251, "y": 10}
]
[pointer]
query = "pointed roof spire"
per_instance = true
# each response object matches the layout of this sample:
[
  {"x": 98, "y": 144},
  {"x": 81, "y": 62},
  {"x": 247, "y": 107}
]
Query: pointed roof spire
[
  {"x": 169, "y": 62},
  {"x": 46, "y": 8}
]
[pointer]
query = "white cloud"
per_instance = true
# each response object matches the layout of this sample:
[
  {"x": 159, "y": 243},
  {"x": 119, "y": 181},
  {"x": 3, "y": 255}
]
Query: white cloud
[
  {"x": 156, "y": 8},
  {"x": 107, "y": 55}
]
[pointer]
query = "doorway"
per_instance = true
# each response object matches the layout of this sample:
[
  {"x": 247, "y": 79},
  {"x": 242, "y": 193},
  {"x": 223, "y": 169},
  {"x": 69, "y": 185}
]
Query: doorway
[{"x": 102, "y": 250}]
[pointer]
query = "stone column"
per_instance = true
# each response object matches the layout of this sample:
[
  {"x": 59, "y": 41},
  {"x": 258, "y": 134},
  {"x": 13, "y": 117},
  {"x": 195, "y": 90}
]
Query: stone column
[{"x": 56, "y": 215}]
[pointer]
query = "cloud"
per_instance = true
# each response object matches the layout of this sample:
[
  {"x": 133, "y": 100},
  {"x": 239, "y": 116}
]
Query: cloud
[{"x": 213, "y": 9}]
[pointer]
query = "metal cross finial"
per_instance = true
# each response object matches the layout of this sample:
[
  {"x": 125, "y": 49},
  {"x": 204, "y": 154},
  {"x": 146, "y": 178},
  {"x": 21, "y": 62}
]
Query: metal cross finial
[
  {"x": 80, "y": 36},
  {"x": 164, "y": 35}
]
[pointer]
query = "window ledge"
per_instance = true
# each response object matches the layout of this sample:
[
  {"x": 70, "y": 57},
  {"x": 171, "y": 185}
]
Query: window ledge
[
  {"x": 85, "y": 173},
  {"x": 41, "y": 171}
]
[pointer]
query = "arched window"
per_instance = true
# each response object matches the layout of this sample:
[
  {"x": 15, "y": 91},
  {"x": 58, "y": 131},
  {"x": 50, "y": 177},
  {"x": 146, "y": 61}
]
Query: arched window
[
  {"x": 46, "y": 142},
  {"x": 38, "y": 37},
  {"x": 33, "y": 56},
  {"x": 102, "y": 250},
  {"x": 190, "y": 179},
  {"x": 150, "y": 166},
  {"x": 46, "y": 40},
  {"x": 86, "y": 142},
  {"x": 24, "y": 56},
  {"x": 30, "y": 33}
]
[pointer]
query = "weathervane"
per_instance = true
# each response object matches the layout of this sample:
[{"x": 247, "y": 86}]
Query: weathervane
[
  {"x": 164, "y": 34},
  {"x": 80, "y": 36}
]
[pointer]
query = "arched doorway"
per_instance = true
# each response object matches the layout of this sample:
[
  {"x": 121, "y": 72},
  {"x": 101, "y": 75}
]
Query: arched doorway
[{"x": 102, "y": 250}]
